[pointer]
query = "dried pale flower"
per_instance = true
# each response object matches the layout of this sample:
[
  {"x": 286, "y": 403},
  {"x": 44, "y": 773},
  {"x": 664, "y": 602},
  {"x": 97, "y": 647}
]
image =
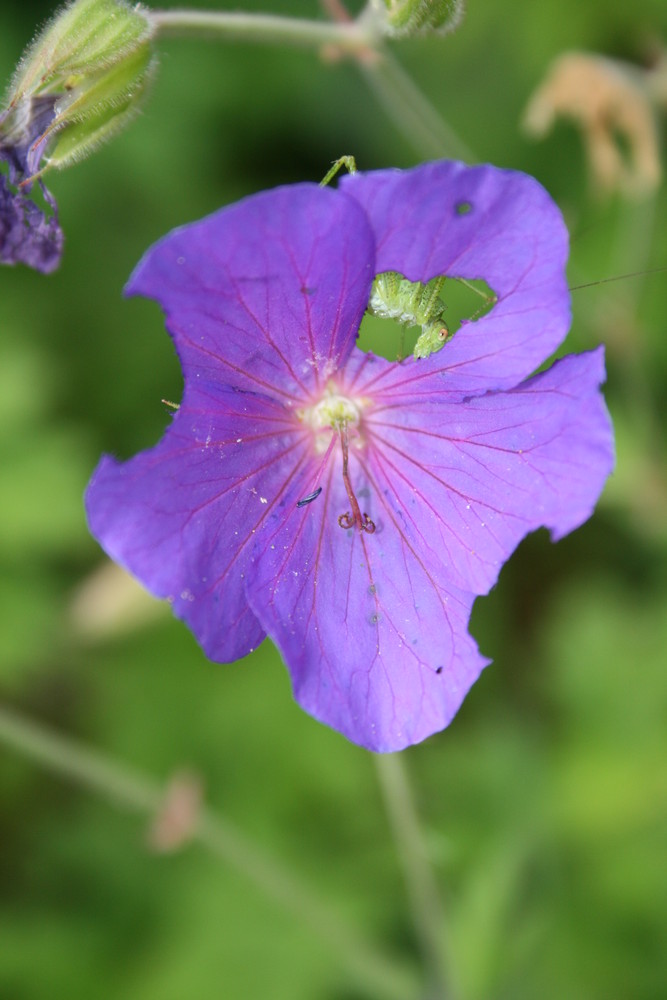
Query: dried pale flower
[
  {"x": 609, "y": 103},
  {"x": 178, "y": 818},
  {"x": 110, "y": 602}
]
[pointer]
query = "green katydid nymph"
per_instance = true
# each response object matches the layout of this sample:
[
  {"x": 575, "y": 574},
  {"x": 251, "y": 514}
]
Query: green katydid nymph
[{"x": 412, "y": 303}]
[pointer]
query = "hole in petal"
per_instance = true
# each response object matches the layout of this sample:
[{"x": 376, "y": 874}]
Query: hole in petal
[
  {"x": 408, "y": 318},
  {"x": 463, "y": 207}
]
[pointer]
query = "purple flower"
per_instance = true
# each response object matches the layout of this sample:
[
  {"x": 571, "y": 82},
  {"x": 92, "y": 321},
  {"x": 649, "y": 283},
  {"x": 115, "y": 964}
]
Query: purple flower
[
  {"x": 430, "y": 471},
  {"x": 28, "y": 235}
]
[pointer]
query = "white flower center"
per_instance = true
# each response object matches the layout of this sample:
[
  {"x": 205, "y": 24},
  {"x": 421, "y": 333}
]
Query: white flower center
[{"x": 333, "y": 410}]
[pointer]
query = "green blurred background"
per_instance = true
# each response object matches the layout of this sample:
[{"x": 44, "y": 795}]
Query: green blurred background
[{"x": 544, "y": 804}]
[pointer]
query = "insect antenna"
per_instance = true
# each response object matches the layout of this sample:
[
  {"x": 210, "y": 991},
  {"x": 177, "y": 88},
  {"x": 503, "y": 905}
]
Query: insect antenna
[{"x": 618, "y": 277}]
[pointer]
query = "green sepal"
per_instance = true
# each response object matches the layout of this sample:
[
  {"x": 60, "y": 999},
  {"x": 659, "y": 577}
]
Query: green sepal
[
  {"x": 405, "y": 18},
  {"x": 94, "y": 60},
  {"x": 101, "y": 108},
  {"x": 84, "y": 38}
]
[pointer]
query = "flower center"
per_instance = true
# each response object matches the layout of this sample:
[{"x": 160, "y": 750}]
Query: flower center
[
  {"x": 334, "y": 410},
  {"x": 337, "y": 413}
]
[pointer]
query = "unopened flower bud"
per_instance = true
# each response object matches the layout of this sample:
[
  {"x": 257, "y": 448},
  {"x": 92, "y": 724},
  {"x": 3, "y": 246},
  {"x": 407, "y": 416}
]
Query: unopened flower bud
[
  {"x": 77, "y": 84},
  {"x": 405, "y": 18}
]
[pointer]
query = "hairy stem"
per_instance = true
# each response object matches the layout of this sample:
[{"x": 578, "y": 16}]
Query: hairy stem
[
  {"x": 352, "y": 36},
  {"x": 361, "y": 38},
  {"x": 383, "y": 977}
]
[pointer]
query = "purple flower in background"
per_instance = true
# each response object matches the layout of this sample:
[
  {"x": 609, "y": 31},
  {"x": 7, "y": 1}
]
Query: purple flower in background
[
  {"x": 28, "y": 235},
  {"x": 420, "y": 477}
]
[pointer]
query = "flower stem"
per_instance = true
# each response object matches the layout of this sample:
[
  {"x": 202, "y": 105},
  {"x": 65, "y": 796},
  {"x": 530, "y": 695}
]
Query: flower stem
[
  {"x": 352, "y": 36},
  {"x": 381, "y": 976},
  {"x": 402, "y": 100},
  {"x": 411, "y": 111},
  {"x": 427, "y": 912}
]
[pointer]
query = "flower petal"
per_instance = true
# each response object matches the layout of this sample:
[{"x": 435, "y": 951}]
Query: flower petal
[
  {"x": 471, "y": 479},
  {"x": 476, "y": 223},
  {"x": 267, "y": 294},
  {"x": 375, "y": 641},
  {"x": 27, "y": 234},
  {"x": 181, "y": 516}
]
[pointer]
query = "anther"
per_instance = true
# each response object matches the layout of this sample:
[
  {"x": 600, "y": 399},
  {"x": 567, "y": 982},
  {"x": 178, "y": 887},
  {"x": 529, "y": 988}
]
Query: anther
[
  {"x": 318, "y": 489},
  {"x": 309, "y": 499}
]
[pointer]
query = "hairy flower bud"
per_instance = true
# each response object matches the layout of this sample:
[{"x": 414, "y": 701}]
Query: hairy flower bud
[
  {"x": 405, "y": 18},
  {"x": 77, "y": 84}
]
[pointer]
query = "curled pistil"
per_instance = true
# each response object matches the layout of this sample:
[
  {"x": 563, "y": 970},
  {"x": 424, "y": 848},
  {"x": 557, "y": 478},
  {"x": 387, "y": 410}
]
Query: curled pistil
[{"x": 348, "y": 520}]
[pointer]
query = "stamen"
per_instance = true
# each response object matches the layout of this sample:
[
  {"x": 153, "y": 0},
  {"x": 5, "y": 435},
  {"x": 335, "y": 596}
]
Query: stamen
[
  {"x": 313, "y": 495},
  {"x": 309, "y": 499},
  {"x": 348, "y": 520}
]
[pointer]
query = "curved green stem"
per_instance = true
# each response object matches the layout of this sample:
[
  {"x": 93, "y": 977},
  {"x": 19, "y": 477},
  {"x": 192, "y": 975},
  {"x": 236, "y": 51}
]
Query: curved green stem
[
  {"x": 423, "y": 893},
  {"x": 381, "y": 976},
  {"x": 404, "y": 103},
  {"x": 352, "y": 36},
  {"x": 411, "y": 111}
]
